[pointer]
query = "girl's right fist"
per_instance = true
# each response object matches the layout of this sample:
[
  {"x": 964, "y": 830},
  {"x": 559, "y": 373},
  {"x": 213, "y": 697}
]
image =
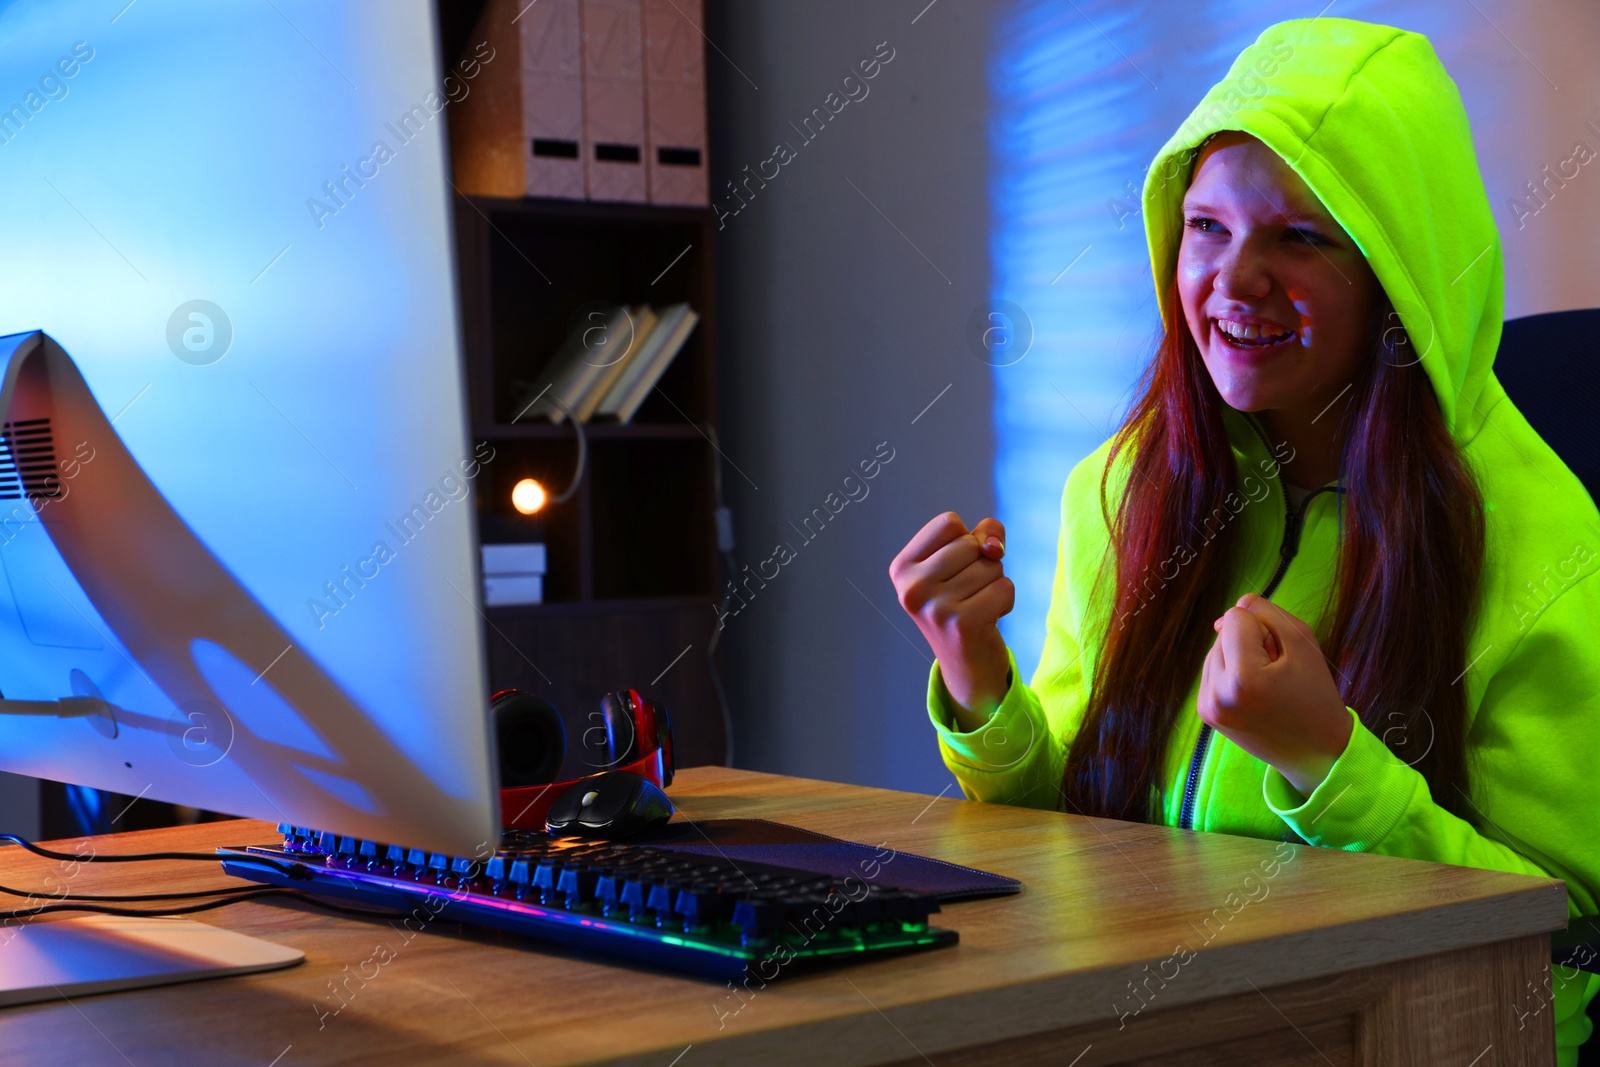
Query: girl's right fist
[{"x": 950, "y": 581}]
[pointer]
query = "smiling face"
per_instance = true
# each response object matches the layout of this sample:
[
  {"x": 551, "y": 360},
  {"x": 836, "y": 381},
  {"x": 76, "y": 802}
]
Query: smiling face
[{"x": 1276, "y": 294}]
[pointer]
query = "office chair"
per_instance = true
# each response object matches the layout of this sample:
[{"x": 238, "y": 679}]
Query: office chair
[{"x": 1549, "y": 368}]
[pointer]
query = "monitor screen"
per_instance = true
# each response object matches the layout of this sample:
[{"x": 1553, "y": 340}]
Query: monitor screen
[{"x": 234, "y": 220}]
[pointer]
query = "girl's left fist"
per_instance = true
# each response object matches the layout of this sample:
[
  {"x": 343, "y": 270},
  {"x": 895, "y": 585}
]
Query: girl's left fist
[{"x": 1267, "y": 687}]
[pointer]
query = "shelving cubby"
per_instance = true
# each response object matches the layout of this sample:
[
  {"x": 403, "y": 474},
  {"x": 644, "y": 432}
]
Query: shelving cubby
[{"x": 633, "y": 569}]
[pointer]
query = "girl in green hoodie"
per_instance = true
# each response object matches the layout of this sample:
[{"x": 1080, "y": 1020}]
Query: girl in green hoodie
[{"x": 1325, "y": 584}]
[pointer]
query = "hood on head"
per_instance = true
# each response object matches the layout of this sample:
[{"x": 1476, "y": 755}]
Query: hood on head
[{"x": 1368, "y": 118}]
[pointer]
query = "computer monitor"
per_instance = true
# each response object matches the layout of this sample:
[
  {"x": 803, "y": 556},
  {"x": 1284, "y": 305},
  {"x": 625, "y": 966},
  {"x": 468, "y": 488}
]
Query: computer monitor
[{"x": 227, "y": 283}]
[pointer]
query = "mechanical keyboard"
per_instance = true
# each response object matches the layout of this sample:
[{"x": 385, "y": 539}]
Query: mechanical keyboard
[{"x": 705, "y": 915}]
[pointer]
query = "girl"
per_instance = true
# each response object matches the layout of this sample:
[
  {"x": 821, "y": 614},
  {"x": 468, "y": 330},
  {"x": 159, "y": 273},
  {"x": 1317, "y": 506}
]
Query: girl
[{"x": 1325, "y": 584}]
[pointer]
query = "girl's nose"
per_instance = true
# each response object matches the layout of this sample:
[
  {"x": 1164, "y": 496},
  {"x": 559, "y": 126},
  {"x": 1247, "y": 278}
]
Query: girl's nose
[{"x": 1241, "y": 275}]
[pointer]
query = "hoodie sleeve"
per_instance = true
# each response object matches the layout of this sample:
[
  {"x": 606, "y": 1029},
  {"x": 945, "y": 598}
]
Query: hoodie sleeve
[
  {"x": 1014, "y": 758},
  {"x": 1531, "y": 771}
]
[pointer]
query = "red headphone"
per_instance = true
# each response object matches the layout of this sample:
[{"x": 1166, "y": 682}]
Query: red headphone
[{"x": 628, "y": 734}]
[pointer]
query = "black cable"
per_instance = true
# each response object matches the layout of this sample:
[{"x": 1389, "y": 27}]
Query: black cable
[
  {"x": 250, "y": 893},
  {"x": 725, "y": 550},
  {"x": 137, "y": 857},
  {"x": 229, "y": 894},
  {"x": 128, "y": 898},
  {"x": 716, "y": 678}
]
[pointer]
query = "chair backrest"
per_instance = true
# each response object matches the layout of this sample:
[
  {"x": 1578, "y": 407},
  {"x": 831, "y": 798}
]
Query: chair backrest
[{"x": 1550, "y": 367}]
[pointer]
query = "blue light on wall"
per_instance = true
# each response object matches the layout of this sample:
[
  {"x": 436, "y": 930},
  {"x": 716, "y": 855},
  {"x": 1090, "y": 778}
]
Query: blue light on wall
[
  {"x": 1070, "y": 138},
  {"x": 1082, "y": 97}
]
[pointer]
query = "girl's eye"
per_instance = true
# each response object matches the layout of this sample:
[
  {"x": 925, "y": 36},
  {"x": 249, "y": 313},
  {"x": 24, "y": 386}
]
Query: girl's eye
[
  {"x": 1308, "y": 236},
  {"x": 1201, "y": 223}
]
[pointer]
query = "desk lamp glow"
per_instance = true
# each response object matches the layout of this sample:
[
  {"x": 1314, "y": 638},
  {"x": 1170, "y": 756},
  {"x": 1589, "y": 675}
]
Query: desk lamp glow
[{"x": 528, "y": 496}]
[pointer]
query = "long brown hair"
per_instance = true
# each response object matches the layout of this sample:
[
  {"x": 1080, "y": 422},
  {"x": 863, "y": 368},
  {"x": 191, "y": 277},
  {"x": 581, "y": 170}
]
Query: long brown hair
[{"x": 1404, "y": 599}]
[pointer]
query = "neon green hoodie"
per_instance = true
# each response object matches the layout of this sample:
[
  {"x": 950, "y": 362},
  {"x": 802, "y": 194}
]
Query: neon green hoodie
[{"x": 1370, "y": 120}]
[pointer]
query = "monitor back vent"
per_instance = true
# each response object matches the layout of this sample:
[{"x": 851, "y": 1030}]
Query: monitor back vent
[{"x": 28, "y": 461}]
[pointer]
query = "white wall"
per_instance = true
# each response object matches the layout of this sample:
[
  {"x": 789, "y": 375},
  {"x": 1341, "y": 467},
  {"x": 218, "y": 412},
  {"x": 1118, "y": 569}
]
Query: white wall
[{"x": 839, "y": 325}]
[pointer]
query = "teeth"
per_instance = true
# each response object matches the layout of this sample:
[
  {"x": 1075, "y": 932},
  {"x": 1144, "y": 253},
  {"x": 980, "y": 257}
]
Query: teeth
[{"x": 1252, "y": 332}]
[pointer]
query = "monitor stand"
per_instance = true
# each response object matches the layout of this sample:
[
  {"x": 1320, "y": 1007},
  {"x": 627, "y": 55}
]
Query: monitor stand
[
  {"x": 49, "y": 958},
  {"x": 63, "y": 958}
]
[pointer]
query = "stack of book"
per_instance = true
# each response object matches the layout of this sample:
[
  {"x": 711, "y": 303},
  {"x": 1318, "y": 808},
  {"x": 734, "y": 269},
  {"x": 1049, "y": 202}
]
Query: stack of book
[
  {"x": 605, "y": 369},
  {"x": 513, "y": 574}
]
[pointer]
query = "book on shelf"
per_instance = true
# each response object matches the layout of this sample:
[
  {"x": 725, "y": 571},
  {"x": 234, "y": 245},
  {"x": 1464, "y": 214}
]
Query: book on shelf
[
  {"x": 649, "y": 363},
  {"x": 608, "y": 366},
  {"x": 585, "y": 355},
  {"x": 644, "y": 322},
  {"x": 641, "y": 356}
]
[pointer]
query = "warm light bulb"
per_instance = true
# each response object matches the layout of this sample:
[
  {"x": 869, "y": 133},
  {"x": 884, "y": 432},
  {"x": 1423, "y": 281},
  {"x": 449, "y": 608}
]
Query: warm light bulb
[{"x": 527, "y": 496}]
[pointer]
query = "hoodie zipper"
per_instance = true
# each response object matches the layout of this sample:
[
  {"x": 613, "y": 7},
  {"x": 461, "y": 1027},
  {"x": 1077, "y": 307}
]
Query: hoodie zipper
[{"x": 1293, "y": 522}]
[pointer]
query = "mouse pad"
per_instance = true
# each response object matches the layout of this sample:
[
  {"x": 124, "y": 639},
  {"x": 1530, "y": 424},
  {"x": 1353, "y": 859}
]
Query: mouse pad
[{"x": 762, "y": 841}]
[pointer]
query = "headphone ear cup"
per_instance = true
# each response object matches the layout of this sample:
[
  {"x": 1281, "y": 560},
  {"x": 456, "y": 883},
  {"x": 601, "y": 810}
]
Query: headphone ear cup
[
  {"x": 620, "y": 745},
  {"x": 530, "y": 739},
  {"x": 664, "y": 741}
]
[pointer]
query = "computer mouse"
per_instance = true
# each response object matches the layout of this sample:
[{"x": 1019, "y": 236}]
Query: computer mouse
[{"x": 609, "y": 805}]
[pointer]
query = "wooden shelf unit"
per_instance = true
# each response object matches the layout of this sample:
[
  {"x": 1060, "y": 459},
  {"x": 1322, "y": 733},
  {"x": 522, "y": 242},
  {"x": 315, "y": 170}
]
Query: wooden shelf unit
[{"x": 633, "y": 569}]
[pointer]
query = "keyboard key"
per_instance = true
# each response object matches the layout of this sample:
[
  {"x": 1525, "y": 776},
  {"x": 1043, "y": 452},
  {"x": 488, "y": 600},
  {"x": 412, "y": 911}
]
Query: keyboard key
[{"x": 576, "y": 884}]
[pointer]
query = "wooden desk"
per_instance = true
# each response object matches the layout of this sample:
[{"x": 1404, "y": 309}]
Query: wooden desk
[{"x": 1330, "y": 958}]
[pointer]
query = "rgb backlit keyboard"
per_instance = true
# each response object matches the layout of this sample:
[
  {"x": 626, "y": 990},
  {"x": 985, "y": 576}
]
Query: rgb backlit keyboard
[{"x": 706, "y": 915}]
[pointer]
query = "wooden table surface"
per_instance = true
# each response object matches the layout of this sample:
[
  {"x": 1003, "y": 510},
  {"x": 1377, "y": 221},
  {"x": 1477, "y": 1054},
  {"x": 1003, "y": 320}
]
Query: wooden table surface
[{"x": 1105, "y": 902}]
